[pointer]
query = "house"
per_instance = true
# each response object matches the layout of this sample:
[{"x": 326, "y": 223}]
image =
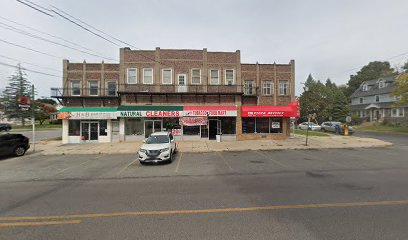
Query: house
[
  {"x": 196, "y": 94},
  {"x": 373, "y": 102}
]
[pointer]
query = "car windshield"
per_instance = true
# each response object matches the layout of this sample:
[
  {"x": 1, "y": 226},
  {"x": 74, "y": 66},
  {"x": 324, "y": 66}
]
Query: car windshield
[{"x": 157, "y": 139}]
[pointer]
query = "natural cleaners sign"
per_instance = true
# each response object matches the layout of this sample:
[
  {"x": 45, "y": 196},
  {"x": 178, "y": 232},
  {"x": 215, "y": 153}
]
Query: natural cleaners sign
[{"x": 150, "y": 113}]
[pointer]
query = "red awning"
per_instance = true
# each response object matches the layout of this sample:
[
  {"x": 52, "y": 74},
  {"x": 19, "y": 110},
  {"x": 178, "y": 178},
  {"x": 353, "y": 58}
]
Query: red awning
[
  {"x": 222, "y": 111},
  {"x": 291, "y": 110}
]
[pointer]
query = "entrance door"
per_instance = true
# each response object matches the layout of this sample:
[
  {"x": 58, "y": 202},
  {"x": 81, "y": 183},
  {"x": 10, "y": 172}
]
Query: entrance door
[
  {"x": 152, "y": 126},
  {"x": 89, "y": 131},
  {"x": 214, "y": 128},
  {"x": 182, "y": 79}
]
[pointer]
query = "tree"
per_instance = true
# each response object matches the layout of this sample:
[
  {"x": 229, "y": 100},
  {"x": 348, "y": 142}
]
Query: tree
[
  {"x": 43, "y": 111},
  {"x": 18, "y": 86},
  {"x": 371, "y": 71},
  {"x": 405, "y": 67},
  {"x": 340, "y": 109},
  {"x": 46, "y": 100},
  {"x": 401, "y": 89}
]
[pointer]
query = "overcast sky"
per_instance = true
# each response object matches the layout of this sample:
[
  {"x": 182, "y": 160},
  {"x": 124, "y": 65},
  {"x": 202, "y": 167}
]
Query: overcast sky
[{"x": 329, "y": 39}]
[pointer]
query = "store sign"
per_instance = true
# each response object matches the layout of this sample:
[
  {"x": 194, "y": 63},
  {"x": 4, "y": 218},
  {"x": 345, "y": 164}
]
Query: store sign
[
  {"x": 265, "y": 114},
  {"x": 275, "y": 125},
  {"x": 176, "y": 132},
  {"x": 290, "y": 110},
  {"x": 150, "y": 113},
  {"x": 212, "y": 111},
  {"x": 24, "y": 103},
  {"x": 193, "y": 121},
  {"x": 87, "y": 115}
]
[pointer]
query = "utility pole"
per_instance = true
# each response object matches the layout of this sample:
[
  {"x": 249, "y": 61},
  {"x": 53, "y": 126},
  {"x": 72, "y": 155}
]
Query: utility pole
[
  {"x": 33, "y": 114},
  {"x": 307, "y": 130}
]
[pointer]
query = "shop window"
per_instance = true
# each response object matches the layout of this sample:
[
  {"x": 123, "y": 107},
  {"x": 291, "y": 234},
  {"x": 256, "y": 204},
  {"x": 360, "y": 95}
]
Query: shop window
[
  {"x": 262, "y": 125},
  {"x": 248, "y": 125},
  {"x": 134, "y": 126},
  {"x": 276, "y": 125},
  {"x": 228, "y": 125},
  {"x": 103, "y": 128},
  {"x": 191, "y": 130},
  {"x": 171, "y": 123},
  {"x": 74, "y": 127}
]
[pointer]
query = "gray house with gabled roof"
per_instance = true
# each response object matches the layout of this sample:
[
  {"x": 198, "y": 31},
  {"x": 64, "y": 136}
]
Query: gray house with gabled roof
[{"x": 373, "y": 101}]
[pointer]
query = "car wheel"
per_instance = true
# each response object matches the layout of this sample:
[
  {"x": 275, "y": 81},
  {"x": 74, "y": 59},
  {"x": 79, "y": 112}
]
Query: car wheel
[
  {"x": 19, "y": 151},
  {"x": 323, "y": 130},
  {"x": 171, "y": 157}
]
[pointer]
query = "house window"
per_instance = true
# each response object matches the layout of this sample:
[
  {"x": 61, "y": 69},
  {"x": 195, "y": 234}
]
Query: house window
[
  {"x": 229, "y": 77},
  {"x": 365, "y": 88},
  {"x": 283, "y": 87},
  {"x": 75, "y": 88},
  {"x": 196, "y": 76},
  {"x": 111, "y": 88},
  {"x": 249, "y": 87},
  {"x": 267, "y": 88},
  {"x": 361, "y": 100},
  {"x": 148, "y": 75},
  {"x": 167, "y": 76},
  {"x": 377, "y": 98},
  {"x": 93, "y": 88},
  {"x": 214, "y": 76},
  {"x": 397, "y": 112},
  {"x": 132, "y": 75},
  {"x": 381, "y": 84}
]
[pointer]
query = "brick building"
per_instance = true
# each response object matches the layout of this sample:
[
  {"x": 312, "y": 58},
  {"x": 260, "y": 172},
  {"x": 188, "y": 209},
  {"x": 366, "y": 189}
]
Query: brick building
[{"x": 196, "y": 94}]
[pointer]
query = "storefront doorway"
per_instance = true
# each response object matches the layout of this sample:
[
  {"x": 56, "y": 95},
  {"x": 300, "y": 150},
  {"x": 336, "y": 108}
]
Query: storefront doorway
[
  {"x": 152, "y": 126},
  {"x": 89, "y": 131},
  {"x": 214, "y": 128}
]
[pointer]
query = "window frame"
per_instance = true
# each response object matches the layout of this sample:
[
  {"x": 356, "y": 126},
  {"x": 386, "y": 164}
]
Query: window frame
[
  {"x": 162, "y": 77},
  {"x": 225, "y": 76},
  {"x": 192, "y": 76},
  {"x": 381, "y": 84},
  {"x": 361, "y": 100},
  {"x": 107, "y": 87},
  {"x": 218, "y": 77},
  {"x": 286, "y": 83},
  {"x": 249, "y": 90},
  {"x": 264, "y": 88},
  {"x": 398, "y": 112},
  {"x": 90, "y": 88},
  {"x": 127, "y": 75},
  {"x": 72, "y": 88},
  {"x": 143, "y": 71},
  {"x": 365, "y": 87},
  {"x": 377, "y": 96}
]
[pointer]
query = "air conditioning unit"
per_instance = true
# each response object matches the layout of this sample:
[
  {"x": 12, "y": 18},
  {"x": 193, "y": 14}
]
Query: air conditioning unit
[{"x": 229, "y": 83}]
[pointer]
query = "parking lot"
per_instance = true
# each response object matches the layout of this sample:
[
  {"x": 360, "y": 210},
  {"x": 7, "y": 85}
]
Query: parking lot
[{"x": 104, "y": 166}]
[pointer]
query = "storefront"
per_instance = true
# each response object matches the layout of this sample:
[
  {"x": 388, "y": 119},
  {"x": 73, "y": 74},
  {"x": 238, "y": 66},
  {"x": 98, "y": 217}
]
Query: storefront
[
  {"x": 206, "y": 122},
  {"x": 87, "y": 125},
  {"x": 270, "y": 122}
]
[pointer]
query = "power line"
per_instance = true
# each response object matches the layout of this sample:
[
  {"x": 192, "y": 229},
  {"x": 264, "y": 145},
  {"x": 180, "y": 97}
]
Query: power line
[
  {"x": 29, "y": 70},
  {"x": 35, "y": 65},
  {"x": 27, "y": 48},
  {"x": 28, "y": 5}
]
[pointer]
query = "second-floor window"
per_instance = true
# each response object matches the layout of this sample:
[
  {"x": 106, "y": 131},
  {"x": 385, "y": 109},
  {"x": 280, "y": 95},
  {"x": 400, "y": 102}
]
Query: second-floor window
[
  {"x": 148, "y": 75},
  {"x": 229, "y": 77},
  {"x": 267, "y": 87},
  {"x": 111, "y": 88},
  {"x": 249, "y": 87},
  {"x": 93, "y": 88},
  {"x": 214, "y": 77},
  {"x": 361, "y": 100},
  {"x": 75, "y": 88},
  {"x": 377, "y": 98},
  {"x": 132, "y": 75},
  {"x": 167, "y": 76},
  {"x": 196, "y": 76},
  {"x": 283, "y": 87}
]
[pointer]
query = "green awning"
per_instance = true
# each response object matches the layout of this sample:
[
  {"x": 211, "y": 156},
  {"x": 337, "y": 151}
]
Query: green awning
[
  {"x": 94, "y": 109},
  {"x": 150, "y": 108}
]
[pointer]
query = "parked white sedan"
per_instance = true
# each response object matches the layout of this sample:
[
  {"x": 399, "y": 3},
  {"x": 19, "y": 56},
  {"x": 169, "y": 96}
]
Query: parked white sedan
[
  {"x": 311, "y": 125},
  {"x": 158, "y": 147}
]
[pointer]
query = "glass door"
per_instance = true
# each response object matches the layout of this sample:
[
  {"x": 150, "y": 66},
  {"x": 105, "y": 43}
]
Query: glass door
[
  {"x": 89, "y": 131},
  {"x": 152, "y": 126}
]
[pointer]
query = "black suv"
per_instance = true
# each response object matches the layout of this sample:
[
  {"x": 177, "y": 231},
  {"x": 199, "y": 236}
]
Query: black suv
[
  {"x": 13, "y": 144},
  {"x": 5, "y": 127}
]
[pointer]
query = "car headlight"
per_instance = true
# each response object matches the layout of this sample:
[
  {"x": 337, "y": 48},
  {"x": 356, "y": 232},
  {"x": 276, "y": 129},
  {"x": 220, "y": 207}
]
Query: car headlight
[
  {"x": 142, "y": 150},
  {"x": 164, "y": 149}
]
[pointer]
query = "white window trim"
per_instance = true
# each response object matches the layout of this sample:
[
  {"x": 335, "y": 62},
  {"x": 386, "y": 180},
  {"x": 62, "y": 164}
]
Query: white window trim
[
  {"x": 72, "y": 88},
  {"x": 144, "y": 82},
  {"x": 398, "y": 112},
  {"x": 365, "y": 88},
  {"x": 270, "y": 87},
  {"x": 381, "y": 84},
  {"x": 375, "y": 98},
  {"x": 361, "y": 100},
  {"x": 127, "y": 75},
  {"x": 162, "y": 77},
  {"x": 218, "y": 79},
  {"x": 233, "y": 76},
  {"x": 89, "y": 87},
  {"x": 107, "y": 89},
  {"x": 192, "y": 76},
  {"x": 287, "y": 87}
]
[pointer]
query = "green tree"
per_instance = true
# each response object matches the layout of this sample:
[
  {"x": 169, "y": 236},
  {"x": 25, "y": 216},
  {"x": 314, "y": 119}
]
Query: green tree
[
  {"x": 401, "y": 89},
  {"x": 405, "y": 67},
  {"x": 18, "y": 85},
  {"x": 43, "y": 111},
  {"x": 371, "y": 71},
  {"x": 340, "y": 109}
]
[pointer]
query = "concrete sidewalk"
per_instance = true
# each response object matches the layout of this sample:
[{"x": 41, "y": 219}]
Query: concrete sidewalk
[{"x": 298, "y": 142}]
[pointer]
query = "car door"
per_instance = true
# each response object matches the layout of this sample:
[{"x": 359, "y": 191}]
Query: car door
[
  {"x": 5, "y": 144},
  {"x": 172, "y": 142}
]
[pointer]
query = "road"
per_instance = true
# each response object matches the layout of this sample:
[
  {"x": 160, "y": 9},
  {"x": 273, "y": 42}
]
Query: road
[
  {"x": 289, "y": 194},
  {"x": 42, "y": 134}
]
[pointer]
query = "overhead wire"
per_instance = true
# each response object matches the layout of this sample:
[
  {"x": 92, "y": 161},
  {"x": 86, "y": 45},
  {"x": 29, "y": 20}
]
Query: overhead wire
[
  {"x": 30, "y": 49},
  {"x": 29, "y": 63},
  {"x": 30, "y": 70}
]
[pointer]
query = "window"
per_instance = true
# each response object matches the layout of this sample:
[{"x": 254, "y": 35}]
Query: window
[
  {"x": 262, "y": 125},
  {"x": 276, "y": 125},
  {"x": 103, "y": 128},
  {"x": 267, "y": 87},
  {"x": 93, "y": 88},
  {"x": 361, "y": 100},
  {"x": 148, "y": 75},
  {"x": 381, "y": 84},
  {"x": 74, "y": 127},
  {"x": 229, "y": 77},
  {"x": 249, "y": 87},
  {"x": 228, "y": 125},
  {"x": 248, "y": 125},
  {"x": 75, "y": 88},
  {"x": 132, "y": 75},
  {"x": 365, "y": 87},
  {"x": 397, "y": 112},
  {"x": 377, "y": 98},
  {"x": 167, "y": 76},
  {"x": 196, "y": 76},
  {"x": 283, "y": 87},
  {"x": 214, "y": 76},
  {"x": 191, "y": 130},
  {"x": 111, "y": 88}
]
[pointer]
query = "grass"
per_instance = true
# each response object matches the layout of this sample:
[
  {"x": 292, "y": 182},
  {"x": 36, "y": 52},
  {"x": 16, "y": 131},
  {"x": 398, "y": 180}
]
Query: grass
[
  {"x": 381, "y": 128},
  {"x": 311, "y": 133},
  {"x": 37, "y": 127}
]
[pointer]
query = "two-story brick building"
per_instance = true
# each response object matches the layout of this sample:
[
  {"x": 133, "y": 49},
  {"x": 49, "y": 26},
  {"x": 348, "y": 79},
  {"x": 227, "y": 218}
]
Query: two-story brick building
[{"x": 196, "y": 94}]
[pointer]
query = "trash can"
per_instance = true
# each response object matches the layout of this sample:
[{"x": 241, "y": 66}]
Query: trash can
[{"x": 218, "y": 138}]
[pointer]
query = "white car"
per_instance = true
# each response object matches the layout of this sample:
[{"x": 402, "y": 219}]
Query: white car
[
  {"x": 158, "y": 147},
  {"x": 311, "y": 125}
]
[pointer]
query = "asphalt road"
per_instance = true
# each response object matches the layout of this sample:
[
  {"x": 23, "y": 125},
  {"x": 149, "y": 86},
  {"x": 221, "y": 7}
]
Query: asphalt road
[
  {"x": 42, "y": 134},
  {"x": 311, "y": 194}
]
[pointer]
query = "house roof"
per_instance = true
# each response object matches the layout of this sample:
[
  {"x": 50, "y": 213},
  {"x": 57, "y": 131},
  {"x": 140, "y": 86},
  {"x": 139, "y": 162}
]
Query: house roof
[{"x": 374, "y": 89}]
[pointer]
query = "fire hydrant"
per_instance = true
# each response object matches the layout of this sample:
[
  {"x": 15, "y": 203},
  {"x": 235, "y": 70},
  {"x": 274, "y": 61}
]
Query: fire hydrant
[{"x": 345, "y": 130}]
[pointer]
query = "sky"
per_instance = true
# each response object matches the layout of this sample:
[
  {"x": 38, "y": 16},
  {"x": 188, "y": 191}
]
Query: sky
[{"x": 328, "y": 39}]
